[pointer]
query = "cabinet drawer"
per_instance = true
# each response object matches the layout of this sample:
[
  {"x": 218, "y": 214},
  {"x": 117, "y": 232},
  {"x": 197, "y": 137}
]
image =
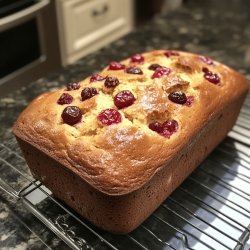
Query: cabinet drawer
[{"x": 85, "y": 24}]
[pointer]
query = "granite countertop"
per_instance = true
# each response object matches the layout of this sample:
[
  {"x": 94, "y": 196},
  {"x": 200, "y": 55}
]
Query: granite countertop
[{"x": 219, "y": 29}]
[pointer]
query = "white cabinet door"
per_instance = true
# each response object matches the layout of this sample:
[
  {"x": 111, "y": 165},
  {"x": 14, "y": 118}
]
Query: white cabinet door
[{"x": 86, "y": 25}]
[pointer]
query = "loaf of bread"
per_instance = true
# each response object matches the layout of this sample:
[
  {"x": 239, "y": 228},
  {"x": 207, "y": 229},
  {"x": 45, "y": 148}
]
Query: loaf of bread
[{"x": 116, "y": 144}]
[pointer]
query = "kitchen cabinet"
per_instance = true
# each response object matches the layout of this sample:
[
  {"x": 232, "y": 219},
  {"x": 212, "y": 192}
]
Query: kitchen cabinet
[{"x": 85, "y": 26}]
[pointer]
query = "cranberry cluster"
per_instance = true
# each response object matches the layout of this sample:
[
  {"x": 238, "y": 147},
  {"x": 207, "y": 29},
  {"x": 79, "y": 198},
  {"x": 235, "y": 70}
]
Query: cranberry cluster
[
  {"x": 137, "y": 58},
  {"x": 210, "y": 76},
  {"x": 166, "y": 128},
  {"x": 72, "y": 114},
  {"x": 125, "y": 98}
]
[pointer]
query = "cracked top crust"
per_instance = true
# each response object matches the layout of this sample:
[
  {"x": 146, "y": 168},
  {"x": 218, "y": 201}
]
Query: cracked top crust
[{"x": 122, "y": 157}]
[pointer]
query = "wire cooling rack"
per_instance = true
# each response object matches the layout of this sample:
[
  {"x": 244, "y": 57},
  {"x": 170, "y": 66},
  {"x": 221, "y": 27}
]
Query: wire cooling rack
[{"x": 210, "y": 210}]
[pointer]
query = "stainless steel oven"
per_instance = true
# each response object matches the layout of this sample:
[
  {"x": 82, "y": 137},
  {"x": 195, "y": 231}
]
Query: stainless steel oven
[{"x": 29, "y": 44}]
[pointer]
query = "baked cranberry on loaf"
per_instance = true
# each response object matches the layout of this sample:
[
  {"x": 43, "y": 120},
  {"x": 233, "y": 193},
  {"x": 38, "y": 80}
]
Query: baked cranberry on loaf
[{"x": 116, "y": 144}]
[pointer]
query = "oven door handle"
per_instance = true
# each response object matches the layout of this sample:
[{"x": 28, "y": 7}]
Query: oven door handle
[{"x": 22, "y": 15}]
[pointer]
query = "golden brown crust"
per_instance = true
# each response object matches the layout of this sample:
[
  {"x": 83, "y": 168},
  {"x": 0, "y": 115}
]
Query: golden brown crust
[{"x": 120, "y": 158}]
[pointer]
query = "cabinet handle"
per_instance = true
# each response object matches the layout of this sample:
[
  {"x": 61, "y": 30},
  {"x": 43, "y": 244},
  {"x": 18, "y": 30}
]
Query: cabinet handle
[{"x": 96, "y": 13}]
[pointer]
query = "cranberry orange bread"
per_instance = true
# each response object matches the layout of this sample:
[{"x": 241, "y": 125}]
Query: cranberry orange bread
[{"x": 116, "y": 144}]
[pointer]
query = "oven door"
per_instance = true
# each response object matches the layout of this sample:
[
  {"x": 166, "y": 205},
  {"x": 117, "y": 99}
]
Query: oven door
[{"x": 29, "y": 45}]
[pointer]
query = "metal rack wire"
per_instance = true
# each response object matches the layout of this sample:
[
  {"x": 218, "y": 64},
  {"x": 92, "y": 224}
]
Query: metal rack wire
[
  {"x": 210, "y": 210},
  {"x": 240, "y": 131}
]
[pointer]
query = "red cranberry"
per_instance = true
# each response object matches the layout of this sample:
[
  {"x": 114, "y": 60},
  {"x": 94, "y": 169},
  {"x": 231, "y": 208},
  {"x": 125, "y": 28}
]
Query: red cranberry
[
  {"x": 96, "y": 77},
  {"x": 156, "y": 126},
  {"x": 87, "y": 93},
  {"x": 210, "y": 76},
  {"x": 65, "y": 98},
  {"x": 109, "y": 117},
  {"x": 124, "y": 99},
  {"x": 177, "y": 97},
  {"x": 71, "y": 115},
  {"x": 169, "y": 128},
  {"x": 171, "y": 53},
  {"x": 111, "y": 82},
  {"x": 190, "y": 100},
  {"x": 116, "y": 66},
  {"x": 136, "y": 71},
  {"x": 154, "y": 66},
  {"x": 206, "y": 60},
  {"x": 160, "y": 72},
  {"x": 137, "y": 58},
  {"x": 73, "y": 86}
]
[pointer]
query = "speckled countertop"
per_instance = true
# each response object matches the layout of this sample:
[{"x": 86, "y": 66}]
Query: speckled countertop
[{"x": 219, "y": 29}]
